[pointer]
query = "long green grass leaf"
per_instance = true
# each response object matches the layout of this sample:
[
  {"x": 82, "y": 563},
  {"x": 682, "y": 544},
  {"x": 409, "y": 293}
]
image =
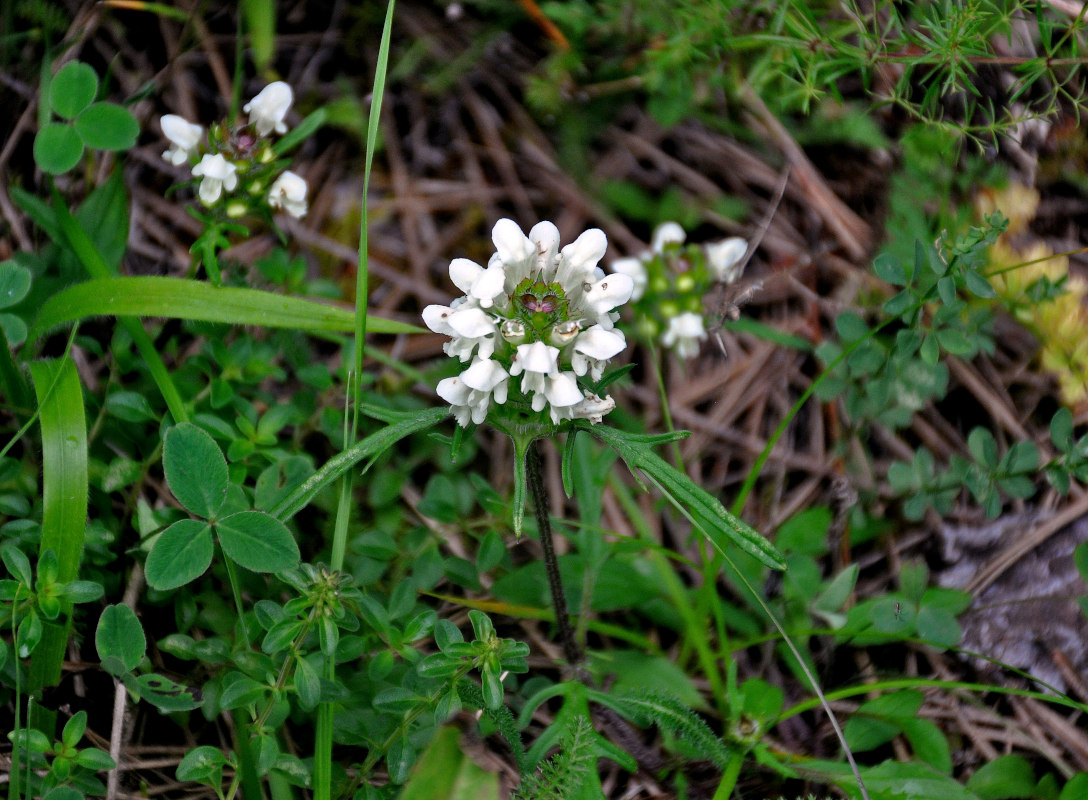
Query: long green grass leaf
[
  {"x": 179, "y": 298},
  {"x": 64, "y": 496},
  {"x": 75, "y": 237}
]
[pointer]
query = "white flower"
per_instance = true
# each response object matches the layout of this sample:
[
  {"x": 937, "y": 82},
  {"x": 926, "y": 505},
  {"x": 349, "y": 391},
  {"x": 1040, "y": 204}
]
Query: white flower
[
  {"x": 685, "y": 332},
  {"x": 218, "y": 174},
  {"x": 465, "y": 402},
  {"x": 723, "y": 258},
  {"x": 535, "y": 312},
  {"x": 593, "y": 348},
  {"x": 634, "y": 268},
  {"x": 184, "y": 138},
  {"x": 665, "y": 234},
  {"x": 482, "y": 285},
  {"x": 288, "y": 192},
  {"x": 542, "y": 378},
  {"x": 470, "y": 328},
  {"x": 487, "y": 376},
  {"x": 267, "y": 110}
]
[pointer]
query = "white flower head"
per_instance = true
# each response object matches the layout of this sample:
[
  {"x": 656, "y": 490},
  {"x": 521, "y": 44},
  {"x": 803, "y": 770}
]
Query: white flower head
[
  {"x": 724, "y": 258},
  {"x": 184, "y": 138},
  {"x": 269, "y": 108},
  {"x": 665, "y": 234},
  {"x": 537, "y": 311},
  {"x": 218, "y": 175},
  {"x": 288, "y": 192},
  {"x": 684, "y": 333}
]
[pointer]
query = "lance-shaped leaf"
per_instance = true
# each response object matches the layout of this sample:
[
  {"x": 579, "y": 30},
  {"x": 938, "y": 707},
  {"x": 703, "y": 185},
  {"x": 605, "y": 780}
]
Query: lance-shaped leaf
[
  {"x": 180, "y": 298},
  {"x": 699, "y": 506}
]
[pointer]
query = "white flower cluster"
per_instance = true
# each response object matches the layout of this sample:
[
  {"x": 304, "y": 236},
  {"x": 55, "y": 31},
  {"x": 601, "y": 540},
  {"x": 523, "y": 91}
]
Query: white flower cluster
[
  {"x": 249, "y": 153},
  {"x": 537, "y": 312},
  {"x": 670, "y": 281}
]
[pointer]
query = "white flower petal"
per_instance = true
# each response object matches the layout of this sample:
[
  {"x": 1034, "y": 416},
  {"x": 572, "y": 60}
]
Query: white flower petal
[
  {"x": 546, "y": 238},
  {"x": 684, "y": 333},
  {"x": 471, "y": 322},
  {"x": 581, "y": 255},
  {"x": 723, "y": 258},
  {"x": 184, "y": 138},
  {"x": 537, "y": 357},
  {"x": 436, "y": 318},
  {"x": 288, "y": 192},
  {"x": 665, "y": 234},
  {"x": 484, "y": 375},
  {"x": 212, "y": 166},
  {"x": 464, "y": 272},
  {"x": 511, "y": 244},
  {"x": 453, "y": 391},
  {"x": 634, "y": 268},
  {"x": 596, "y": 342},
  {"x": 268, "y": 109},
  {"x": 562, "y": 390},
  {"x": 609, "y": 292}
]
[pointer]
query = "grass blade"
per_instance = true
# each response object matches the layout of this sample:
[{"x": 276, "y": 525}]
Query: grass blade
[
  {"x": 64, "y": 495},
  {"x": 180, "y": 298}
]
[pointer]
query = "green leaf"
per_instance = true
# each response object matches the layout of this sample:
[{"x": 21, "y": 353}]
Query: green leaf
[
  {"x": 196, "y": 471},
  {"x": 64, "y": 493},
  {"x": 955, "y": 341},
  {"x": 1061, "y": 429},
  {"x": 120, "y": 635},
  {"x": 307, "y": 684},
  {"x": 202, "y": 764},
  {"x": 63, "y": 793},
  {"x": 928, "y": 743},
  {"x": 57, "y": 148},
  {"x": 179, "y": 298},
  {"x": 73, "y": 89},
  {"x": 181, "y": 554},
  {"x": 260, "y": 17},
  {"x": 130, "y": 407},
  {"x": 15, "y": 329},
  {"x": 838, "y": 590},
  {"x": 702, "y": 509},
  {"x": 887, "y": 268},
  {"x": 370, "y": 447},
  {"x": 851, "y": 327},
  {"x": 444, "y": 772},
  {"x": 938, "y": 626},
  {"x": 1077, "y": 788},
  {"x": 257, "y": 541},
  {"x": 14, "y": 283},
  {"x": 946, "y": 290},
  {"x": 107, "y": 126},
  {"x": 165, "y": 694},
  {"x": 893, "y": 780},
  {"x": 978, "y": 285},
  {"x": 1004, "y": 778}
]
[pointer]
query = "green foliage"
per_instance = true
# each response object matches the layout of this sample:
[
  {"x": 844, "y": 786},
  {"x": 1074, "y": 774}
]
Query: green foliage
[
  {"x": 933, "y": 60},
  {"x": 59, "y": 146}
]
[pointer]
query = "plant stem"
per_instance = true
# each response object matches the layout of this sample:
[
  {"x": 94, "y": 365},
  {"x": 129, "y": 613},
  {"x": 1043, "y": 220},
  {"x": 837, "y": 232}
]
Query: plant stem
[{"x": 571, "y": 649}]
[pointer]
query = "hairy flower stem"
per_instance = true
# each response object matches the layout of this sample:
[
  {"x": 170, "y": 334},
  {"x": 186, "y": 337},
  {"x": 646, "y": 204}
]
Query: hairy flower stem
[{"x": 551, "y": 564}]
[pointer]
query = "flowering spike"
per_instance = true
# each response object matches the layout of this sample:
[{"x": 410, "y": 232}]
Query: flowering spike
[{"x": 537, "y": 313}]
